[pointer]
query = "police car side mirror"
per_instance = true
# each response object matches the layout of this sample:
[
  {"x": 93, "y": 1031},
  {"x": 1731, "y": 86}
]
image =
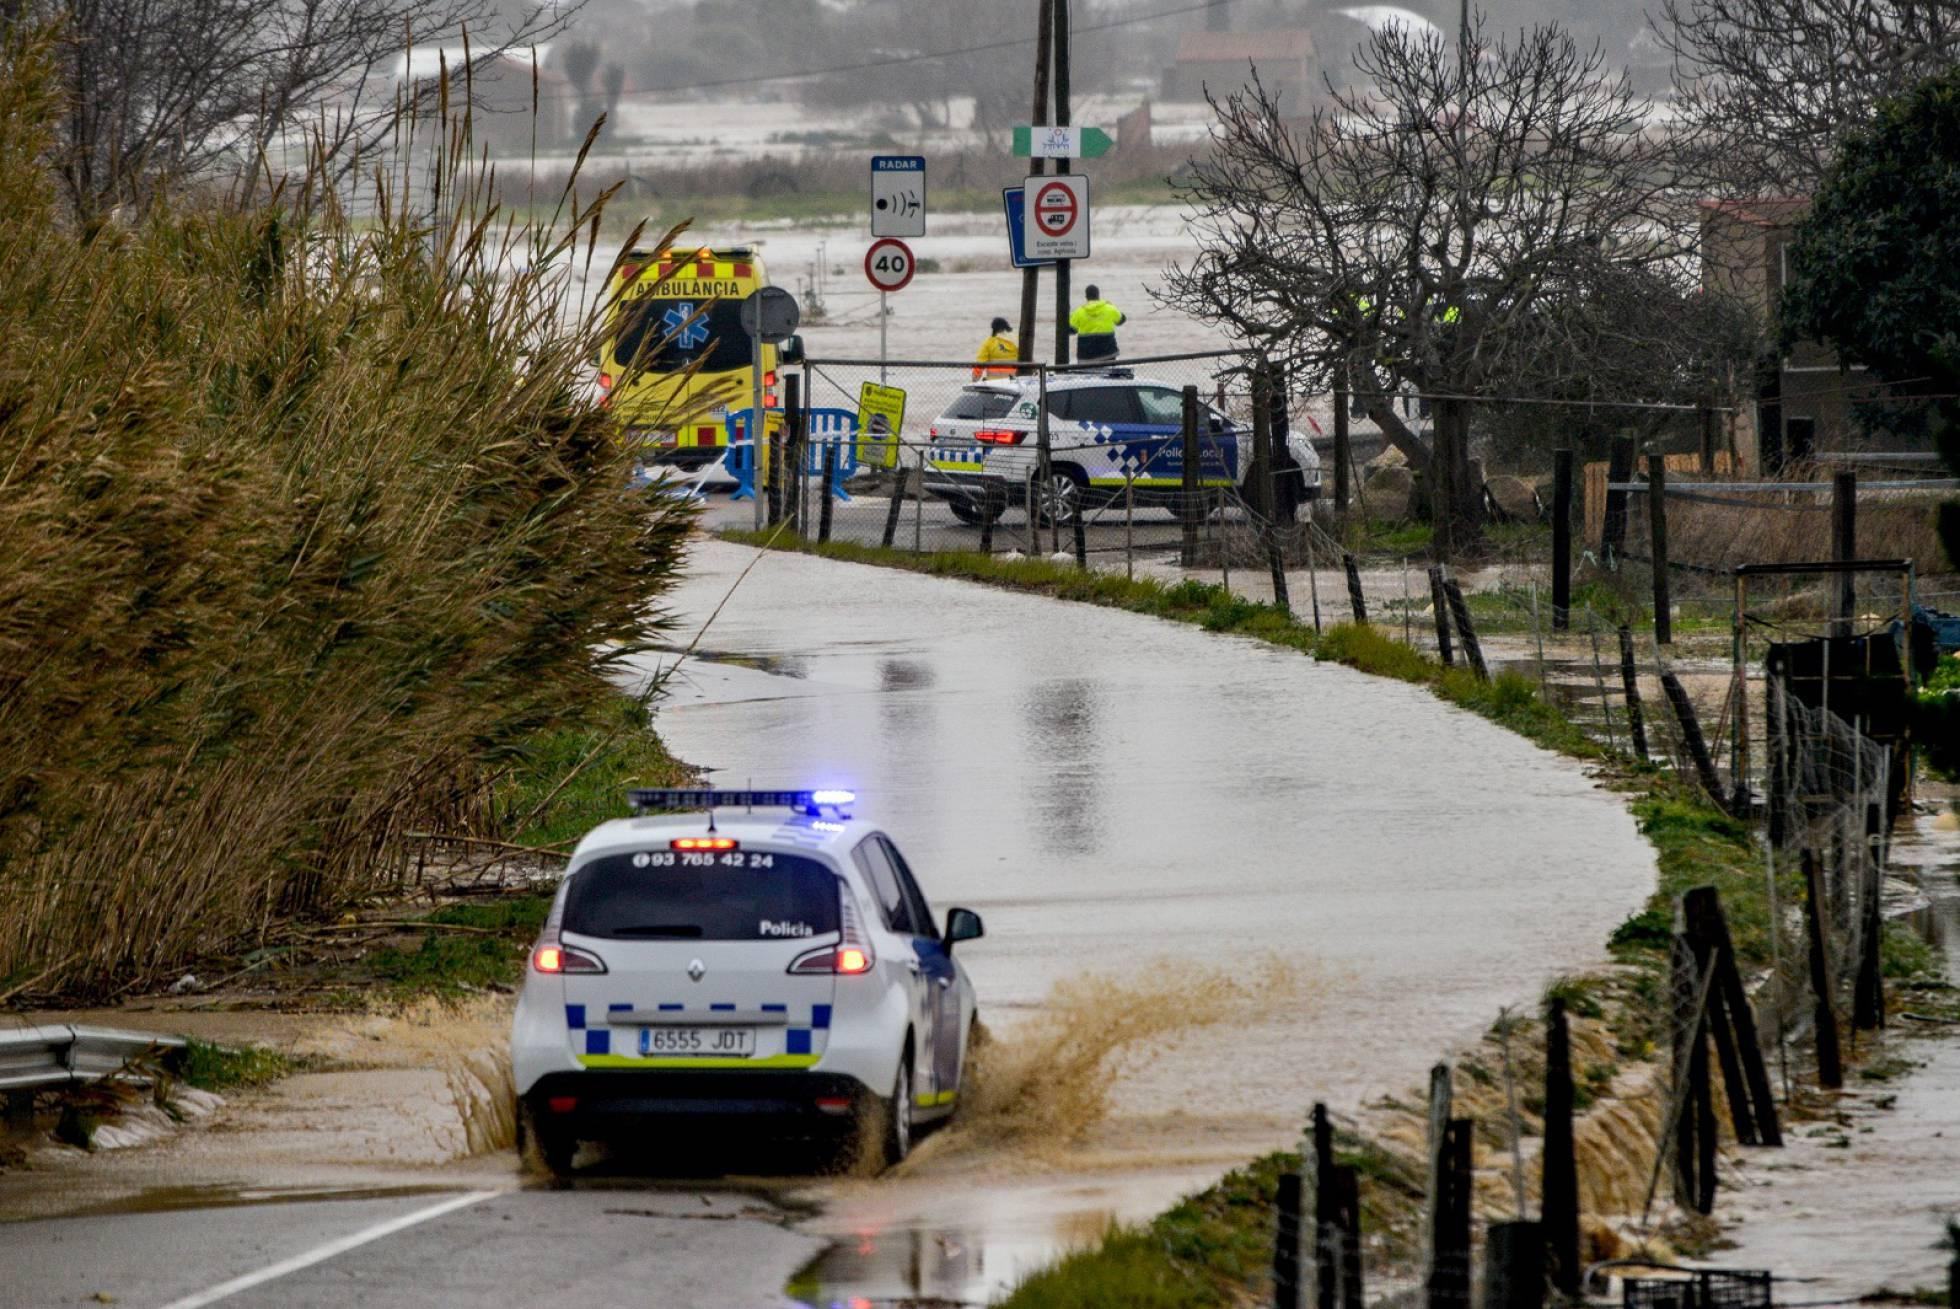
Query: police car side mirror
[
  {"x": 790, "y": 351},
  {"x": 963, "y": 925}
]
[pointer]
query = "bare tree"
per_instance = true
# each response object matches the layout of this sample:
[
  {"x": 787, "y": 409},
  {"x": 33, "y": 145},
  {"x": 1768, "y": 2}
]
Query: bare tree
[
  {"x": 1769, "y": 87},
  {"x": 1458, "y": 228},
  {"x": 160, "y": 92}
]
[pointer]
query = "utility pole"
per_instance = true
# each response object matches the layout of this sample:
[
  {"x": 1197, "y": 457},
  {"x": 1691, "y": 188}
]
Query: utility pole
[
  {"x": 1031, "y": 276},
  {"x": 1061, "y": 166}
]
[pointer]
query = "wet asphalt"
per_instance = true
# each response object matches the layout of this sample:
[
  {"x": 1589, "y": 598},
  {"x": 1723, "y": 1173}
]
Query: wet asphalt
[{"x": 1123, "y": 799}]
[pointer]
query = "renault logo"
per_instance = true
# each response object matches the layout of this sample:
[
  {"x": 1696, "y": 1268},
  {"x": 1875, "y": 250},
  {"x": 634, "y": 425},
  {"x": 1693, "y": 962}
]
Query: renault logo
[{"x": 696, "y": 970}]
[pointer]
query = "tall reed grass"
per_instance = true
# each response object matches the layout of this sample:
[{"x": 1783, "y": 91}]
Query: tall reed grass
[{"x": 307, "y": 526}]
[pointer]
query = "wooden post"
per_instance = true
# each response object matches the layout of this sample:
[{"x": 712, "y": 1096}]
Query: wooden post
[
  {"x": 1619, "y": 470},
  {"x": 1286, "y": 1243},
  {"x": 1693, "y": 1090},
  {"x": 1439, "y": 603},
  {"x": 990, "y": 511},
  {"x": 900, "y": 474},
  {"x": 1440, "y": 1096},
  {"x": 1343, "y": 449},
  {"x": 1684, "y": 713},
  {"x": 1465, "y": 629},
  {"x": 1657, "y": 521},
  {"x": 1276, "y": 566},
  {"x": 1701, "y": 940},
  {"x": 795, "y": 430},
  {"x": 1561, "y": 540},
  {"x": 1449, "y": 1279},
  {"x": 1514, "y": 1266},
  {"x": 1684, "y": 1031},
  {"x": 1868, "y": 991},
  {"x": 1708, "y": 932},
  {"x": 826, "y": 498},
  {"x": 1326, "y": 1238},
  {"x": 1347, "y": 1215},
  {"x": 1705, "y": 428},
  {"x": 1844, "y": 548},
  {"x": 1079, "y": 530},
  {"x": 1187, "y": 501},
  {"x": 1830, "y": 1060},
  {"x": 1356, "y": 603},
  {"x": 1704, "y": 1107},
  {"x": 1558, "y": 1197},
  {"x": 1630, "y": 684}
]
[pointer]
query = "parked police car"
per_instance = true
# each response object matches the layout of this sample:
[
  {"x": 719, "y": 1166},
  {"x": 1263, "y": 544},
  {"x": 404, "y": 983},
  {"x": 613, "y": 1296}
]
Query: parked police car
[
  {"x": 1107, "y": 429},
  {"x": 740, "y": 965}
]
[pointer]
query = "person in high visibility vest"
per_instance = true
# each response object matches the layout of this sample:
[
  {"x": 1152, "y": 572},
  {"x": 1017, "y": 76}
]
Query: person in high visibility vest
[
  {"x": 1000, "y": 346},
  {"x": 1094, "y": 327}
]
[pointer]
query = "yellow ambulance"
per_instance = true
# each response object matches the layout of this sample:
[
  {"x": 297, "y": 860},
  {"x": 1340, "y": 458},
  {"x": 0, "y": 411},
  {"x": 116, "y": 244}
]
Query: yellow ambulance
[{"x": 676, "y": 362}]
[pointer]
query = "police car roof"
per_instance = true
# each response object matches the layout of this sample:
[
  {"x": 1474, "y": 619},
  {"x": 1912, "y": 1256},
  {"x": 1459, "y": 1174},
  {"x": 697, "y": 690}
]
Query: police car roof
[
  {"x": 1064, "y": 381},
  {"x": 777, "y": 829}
]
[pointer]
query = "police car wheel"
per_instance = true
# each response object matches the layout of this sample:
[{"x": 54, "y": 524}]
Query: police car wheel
[
  {"x": 1061, "y": 504},
  {"x": 971, "y": 514},
  {"x": 543, "y": 1150},
  {"x": 898, "y": 1114}
]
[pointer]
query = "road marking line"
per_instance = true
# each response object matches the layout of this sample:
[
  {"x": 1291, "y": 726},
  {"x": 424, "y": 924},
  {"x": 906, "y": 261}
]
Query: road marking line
[{"x": 319, "y": 1254}]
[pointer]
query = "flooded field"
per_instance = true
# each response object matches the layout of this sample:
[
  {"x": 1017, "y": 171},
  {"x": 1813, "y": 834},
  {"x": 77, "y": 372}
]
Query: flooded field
[{"x": 1229, "y": 879}]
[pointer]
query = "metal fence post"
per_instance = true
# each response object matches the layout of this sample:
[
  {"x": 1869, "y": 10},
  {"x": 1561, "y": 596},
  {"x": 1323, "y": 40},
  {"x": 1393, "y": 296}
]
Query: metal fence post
[
  {"x": 1045, "y": 495},
  {"x": 824, "y": 492},
  {"x": 1187, "y": 501}
]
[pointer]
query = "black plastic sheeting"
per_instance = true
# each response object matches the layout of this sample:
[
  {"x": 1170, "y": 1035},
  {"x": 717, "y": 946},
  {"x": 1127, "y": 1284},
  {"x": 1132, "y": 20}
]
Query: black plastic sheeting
[{"x": 1866, "y": 688}]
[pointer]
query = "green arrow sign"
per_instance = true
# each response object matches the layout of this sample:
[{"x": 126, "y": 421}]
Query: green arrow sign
[{"x": 1061, "y": 142}]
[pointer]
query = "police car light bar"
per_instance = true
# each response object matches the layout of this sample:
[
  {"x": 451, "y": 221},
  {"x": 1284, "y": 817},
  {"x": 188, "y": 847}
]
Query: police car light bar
[{"x": 803, "y": 802}]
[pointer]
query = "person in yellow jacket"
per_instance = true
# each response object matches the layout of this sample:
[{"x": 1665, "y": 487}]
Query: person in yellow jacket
[
  {"x": 997, "y": 348},
  {"x": 1094, "y": 327}
]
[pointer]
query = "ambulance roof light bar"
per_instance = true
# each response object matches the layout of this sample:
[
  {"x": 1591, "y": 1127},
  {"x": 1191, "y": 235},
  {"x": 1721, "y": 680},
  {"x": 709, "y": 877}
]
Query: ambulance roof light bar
[{"x": 817, "y": 804}]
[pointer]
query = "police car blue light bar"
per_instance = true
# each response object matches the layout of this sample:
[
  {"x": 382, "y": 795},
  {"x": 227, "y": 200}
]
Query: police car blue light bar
[{"x": 803, "y": 802}]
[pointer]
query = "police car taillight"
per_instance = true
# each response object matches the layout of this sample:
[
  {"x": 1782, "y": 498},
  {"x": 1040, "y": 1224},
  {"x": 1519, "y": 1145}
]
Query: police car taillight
[
  {"x": 999, "y": 436},
  {"x": 852, "y": 953},
  {"x": 556, "y": 957}
]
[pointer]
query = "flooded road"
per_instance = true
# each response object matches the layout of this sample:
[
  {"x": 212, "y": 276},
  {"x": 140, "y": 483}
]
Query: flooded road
[{"x": 1314, "y": 880}]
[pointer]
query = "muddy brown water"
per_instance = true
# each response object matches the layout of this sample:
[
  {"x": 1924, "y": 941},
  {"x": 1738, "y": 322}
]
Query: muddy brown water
[{"x": 1319, "y": 879}]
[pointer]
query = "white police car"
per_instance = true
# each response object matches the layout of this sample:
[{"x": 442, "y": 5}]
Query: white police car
[
  {"x": 1110, "y": 434},
  {"x": 740, "y": 965}
]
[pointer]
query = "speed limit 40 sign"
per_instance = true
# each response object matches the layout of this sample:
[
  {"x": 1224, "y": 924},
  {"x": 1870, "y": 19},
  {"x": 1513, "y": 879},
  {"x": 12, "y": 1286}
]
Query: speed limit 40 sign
[{"x": 888, "y": 263}]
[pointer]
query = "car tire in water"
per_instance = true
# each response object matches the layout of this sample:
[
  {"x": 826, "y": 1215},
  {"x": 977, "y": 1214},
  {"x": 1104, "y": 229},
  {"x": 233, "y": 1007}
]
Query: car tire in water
[
  {"x": 543, "y": 1150},
  {"x": 883, "y": 1128}
]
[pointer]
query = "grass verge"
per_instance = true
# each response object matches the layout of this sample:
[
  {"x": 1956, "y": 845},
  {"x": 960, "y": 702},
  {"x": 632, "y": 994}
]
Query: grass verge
[{"x": 212, "y": 1067}]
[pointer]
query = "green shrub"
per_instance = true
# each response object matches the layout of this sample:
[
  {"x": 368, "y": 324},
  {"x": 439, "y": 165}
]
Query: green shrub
[{"x": 311, "y": 530}]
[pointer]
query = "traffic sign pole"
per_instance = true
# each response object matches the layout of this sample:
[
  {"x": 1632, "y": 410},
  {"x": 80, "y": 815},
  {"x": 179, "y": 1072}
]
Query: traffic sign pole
[
  {"x": 1061, "y": 166},
  {"x": 884, "y": 329}
]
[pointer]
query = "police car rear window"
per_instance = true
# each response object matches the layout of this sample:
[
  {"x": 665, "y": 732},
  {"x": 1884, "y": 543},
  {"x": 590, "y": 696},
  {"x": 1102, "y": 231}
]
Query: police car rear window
[
  {"x": 734, "y": 895},
  {"x": 980, "y": 404},
  {"x": 677, "y": 332}
]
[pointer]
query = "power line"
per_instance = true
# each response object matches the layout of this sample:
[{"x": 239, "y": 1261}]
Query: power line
[{"x": 897, "y": 60}]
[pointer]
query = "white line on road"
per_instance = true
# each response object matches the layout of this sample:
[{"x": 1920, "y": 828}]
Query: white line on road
[{"x": 319, "y": 1254}]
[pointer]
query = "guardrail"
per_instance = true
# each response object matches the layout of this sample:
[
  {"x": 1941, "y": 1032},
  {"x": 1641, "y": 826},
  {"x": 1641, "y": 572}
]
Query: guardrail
[{"x": 39, "y": 1058}]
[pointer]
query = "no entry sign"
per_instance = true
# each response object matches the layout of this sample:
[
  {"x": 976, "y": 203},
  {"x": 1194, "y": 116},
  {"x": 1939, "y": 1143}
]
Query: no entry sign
[
  {"x": 1056, "y": 225},
  {"x": 888, "y": 264}
]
